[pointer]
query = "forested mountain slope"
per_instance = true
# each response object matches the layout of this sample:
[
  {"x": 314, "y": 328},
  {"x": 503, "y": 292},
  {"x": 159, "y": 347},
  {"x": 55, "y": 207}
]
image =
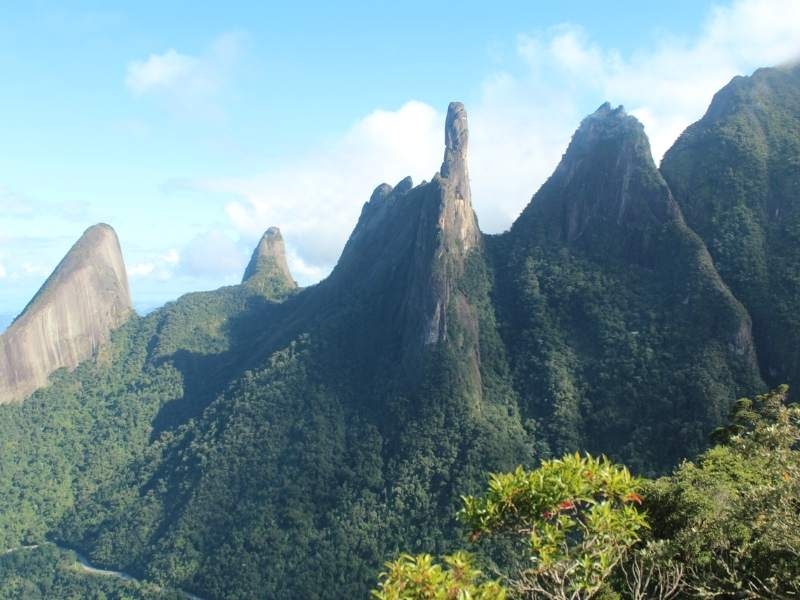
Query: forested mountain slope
[
  {"x": 243, "y": 447},
  {"x": 622, "y": 335},
  {"x": 736, "y": 175}
]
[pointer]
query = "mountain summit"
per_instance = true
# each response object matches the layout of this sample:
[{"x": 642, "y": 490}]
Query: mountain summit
[
  {"x": 602, "y": 258},
  {"x": 408, "y": 255},
  {"x": 268, "y": 271},
  {"x": 456, "y": 137},
  {"x": 734, "y": 174},
  {"x": 73, "y": 313},
  {"x": 606, "y": 185}
]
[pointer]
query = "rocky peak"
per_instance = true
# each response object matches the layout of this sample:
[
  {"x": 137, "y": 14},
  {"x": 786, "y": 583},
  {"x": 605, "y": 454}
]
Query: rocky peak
[
  {"x": 606, "y": 183},
  {"x": 69, "y": 318},
  {"x": 457, "y": 219},
  {"x": 380, "y": 193},
  {"x": 608, "y": 129},
  {"x": 456, "y": 138},
  {"x": 268, "y": 271},
  {"x": 408, "y": 255}
]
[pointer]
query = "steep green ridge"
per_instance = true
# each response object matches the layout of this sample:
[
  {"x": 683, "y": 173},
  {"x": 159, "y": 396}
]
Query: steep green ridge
[
  {"x": 622, "y": 336},
  {"x": 736, "y": 175},
  {"x": 81, "y": 434},
  {"x": 350, "y": 441}
]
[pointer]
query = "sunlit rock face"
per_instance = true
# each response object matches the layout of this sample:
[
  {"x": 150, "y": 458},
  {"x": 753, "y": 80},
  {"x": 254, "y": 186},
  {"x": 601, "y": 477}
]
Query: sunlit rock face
[
  {"x": 268, "y": 272},
  {"x": 69, "y": 318}
]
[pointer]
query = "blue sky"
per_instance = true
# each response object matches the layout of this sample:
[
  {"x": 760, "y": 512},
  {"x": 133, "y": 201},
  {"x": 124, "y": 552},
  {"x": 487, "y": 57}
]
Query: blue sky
[{"x": 192, "y": 128}]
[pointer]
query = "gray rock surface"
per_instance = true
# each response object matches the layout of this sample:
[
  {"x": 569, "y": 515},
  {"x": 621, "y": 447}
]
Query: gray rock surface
[
  {"x": 408, "y": 255},
  {"x": 457, "y": 226},
  {"x": 608, "y": 176},
  {"x": 69, "y": 318},
  {"x": 268, "y": 271}
]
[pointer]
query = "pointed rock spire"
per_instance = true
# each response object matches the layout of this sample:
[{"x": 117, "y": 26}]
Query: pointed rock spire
[
  {"x": 73, "y": 313},
  {"x": 457, "y": 219},
  {"x": 268, "y": 271},
  {"x": 407, "y": 259},
  {"x": 458, "y": 233},
  {"x": 456, "y": 137}
]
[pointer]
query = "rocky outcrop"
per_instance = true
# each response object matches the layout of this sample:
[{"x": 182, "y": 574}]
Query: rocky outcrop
[
  {"x": 71, "y": 316},
  {"x": 607, "y": 183},
  {"x": 268, "y": 272},
  {"x": 456, "y": 229},
  {"x": 408, "y": 255}
]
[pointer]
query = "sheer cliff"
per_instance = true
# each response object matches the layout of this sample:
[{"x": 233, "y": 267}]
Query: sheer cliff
[{"x": 70, "y": 317}]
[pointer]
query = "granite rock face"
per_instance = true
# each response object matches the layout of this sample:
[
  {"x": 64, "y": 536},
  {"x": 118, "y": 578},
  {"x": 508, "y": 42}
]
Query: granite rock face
[
  {"x": 70, "y": 317},
  {"x": 408, "y": 255},
  {"x": 268, "y": 271},
  {"x": 606, "y": 182}
]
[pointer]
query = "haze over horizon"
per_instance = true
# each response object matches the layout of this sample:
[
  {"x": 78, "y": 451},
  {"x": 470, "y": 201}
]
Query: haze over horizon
[{"x": 192, "y": 141}]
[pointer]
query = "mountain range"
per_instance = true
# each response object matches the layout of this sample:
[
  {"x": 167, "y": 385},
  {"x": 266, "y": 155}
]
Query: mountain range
[{"x": 267, "y": 440}]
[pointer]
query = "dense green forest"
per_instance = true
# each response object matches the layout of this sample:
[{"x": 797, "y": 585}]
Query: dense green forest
[
  {"x": 48, "y": 572},
  {"x": 726, "y": 525},
  {"x": 735, "y": 176},
  {"x": 266, "y": 441},
  {"x": 620, "y": 331}
]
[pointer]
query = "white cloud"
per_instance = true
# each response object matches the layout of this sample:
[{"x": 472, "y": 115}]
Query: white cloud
[
  {"x": 158, "y": 267},
  {"x": 520, "y": 125},
  {"x": 316, "y": 200},
  {"x": 211, "y": 254},
  {"x": 171, "y": 257},
  {"x": 141, "y": 269},
  {"x": 161, "y": 71},
  {"x": 302, "y": 271},
  {"x": 30, "y": 269},
  {"x": 189, "y": 84},
  {"x": 3, "y": 271}
]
